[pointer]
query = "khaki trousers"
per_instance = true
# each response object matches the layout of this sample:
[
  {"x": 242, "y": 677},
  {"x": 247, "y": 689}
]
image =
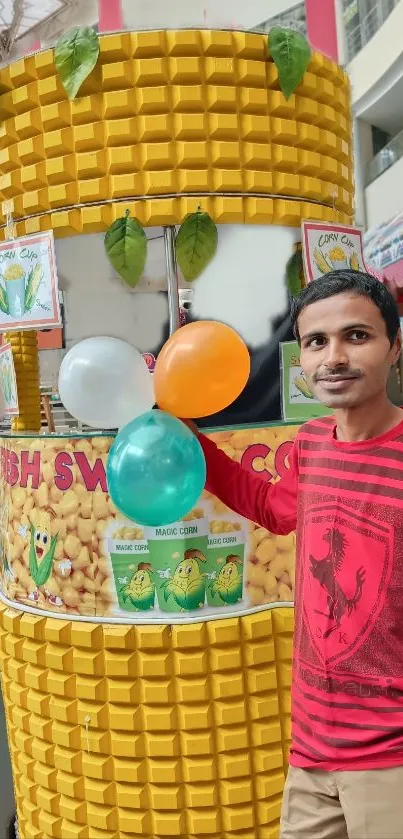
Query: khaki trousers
[{"x": 343, "y": 805}]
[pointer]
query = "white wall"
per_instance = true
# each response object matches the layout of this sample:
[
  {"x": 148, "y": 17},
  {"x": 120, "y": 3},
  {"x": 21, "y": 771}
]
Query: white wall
[
  {"x": 244, "y": 286},
  {"x": 139, "y": 14},
  {"x": 384, "y": 197},
  {"x": 98, "y": 302}
]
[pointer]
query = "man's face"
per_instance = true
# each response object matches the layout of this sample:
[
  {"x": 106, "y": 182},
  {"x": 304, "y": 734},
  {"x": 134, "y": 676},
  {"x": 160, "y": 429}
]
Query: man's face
[{"x": 345, "y": 352}]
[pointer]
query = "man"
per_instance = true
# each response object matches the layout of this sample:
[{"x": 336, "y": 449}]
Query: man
[{"x": 343, "y": 494}]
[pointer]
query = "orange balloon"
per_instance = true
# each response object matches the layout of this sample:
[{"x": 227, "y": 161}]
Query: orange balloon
[{"x": 201, "y": 369}]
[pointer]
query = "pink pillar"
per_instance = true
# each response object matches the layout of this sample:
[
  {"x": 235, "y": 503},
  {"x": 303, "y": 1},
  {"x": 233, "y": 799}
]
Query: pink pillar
[
  {"x": 110, "y": 15},
  {"x": 322, "y": 26},
  {"x": 33, "y": 47}
]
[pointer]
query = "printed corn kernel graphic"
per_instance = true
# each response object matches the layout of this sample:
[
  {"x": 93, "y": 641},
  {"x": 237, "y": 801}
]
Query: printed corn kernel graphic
[
  {"x": 55, "y": 551},
  {"x": 79, "y": 579},
  {"x": 270, "y": 559}
]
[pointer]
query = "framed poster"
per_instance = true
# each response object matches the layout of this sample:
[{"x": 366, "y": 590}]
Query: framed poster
[
  {"x": 298, "y": 404},
  {"x": 29, "y": 294},
  {"x": 331, "y": 247},
  {"x": 8, "y": 381}
]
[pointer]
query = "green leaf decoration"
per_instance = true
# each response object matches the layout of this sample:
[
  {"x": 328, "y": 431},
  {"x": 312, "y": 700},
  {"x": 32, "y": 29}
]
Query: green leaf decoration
[
  {"x": 76, "y": 54},
  {"x": 291, "y": 54},
  {"x": 295, "y": 272},
  {"x": 126, "y": 248},
  {"x": 196, "y": 244}
]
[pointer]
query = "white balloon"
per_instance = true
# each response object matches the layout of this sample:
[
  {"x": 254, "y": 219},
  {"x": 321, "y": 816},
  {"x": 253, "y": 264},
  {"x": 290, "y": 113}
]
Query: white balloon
[{"x": 105, "y": 382}]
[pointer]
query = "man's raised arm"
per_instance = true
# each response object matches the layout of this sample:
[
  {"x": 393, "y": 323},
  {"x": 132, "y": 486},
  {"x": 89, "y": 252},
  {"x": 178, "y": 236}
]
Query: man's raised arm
[{"x": 273, "y": 506}]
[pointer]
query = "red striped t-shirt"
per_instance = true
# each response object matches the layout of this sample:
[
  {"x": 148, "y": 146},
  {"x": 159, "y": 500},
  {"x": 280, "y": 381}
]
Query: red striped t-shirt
[{"x": 345, "y": 501}]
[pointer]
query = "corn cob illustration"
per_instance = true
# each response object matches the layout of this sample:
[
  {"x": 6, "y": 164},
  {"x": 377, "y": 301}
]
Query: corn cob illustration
[
  {"x": 34, "y": 280},
  {"x": 354, "y": 265},
  {"x": 26, "y": 362},
  {"x": 3, "y": 301},
  {"x": 321, "y": 262},
  {"x": 302, "y": 386}
]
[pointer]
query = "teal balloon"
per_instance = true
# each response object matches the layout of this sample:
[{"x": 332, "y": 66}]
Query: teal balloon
[{"x": 156, "y": 469}]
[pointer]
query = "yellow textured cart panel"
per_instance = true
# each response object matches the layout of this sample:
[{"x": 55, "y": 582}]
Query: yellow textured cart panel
[
  {"x": 170, "y": 113},
  {"x": 148, "y": 731}
]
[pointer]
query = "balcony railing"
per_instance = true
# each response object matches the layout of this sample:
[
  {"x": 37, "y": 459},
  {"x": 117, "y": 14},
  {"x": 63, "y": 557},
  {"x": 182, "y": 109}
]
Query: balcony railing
[
  {"x": 295, "y": 18},
  {"x": 368, "y": 27},
  {"x": 384, "y": 159}
]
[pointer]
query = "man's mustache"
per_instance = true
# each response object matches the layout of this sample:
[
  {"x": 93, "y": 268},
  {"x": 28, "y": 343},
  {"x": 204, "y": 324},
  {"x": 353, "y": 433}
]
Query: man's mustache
[{"x": 334, "y": 373}]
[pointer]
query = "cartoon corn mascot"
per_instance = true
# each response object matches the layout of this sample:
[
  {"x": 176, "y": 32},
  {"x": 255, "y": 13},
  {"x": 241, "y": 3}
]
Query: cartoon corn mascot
[
  {"x": 41, "y": 553},
  {"x": 188, "y": 584},
  {"x": 141, "y": 589},
  {"x": 228, "y": 584}
]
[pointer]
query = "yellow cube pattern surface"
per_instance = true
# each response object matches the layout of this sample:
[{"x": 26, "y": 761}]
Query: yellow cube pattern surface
[
  {"x": 172, "y": 116},
  {"x": 148, "y": 732},
  {"x": 24, "y": 344}
]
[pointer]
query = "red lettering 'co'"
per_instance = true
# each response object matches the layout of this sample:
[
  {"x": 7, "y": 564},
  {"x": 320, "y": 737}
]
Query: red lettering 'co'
[
  {"x": 249, "y": 456},
  {"x": 280, "y": 458}
]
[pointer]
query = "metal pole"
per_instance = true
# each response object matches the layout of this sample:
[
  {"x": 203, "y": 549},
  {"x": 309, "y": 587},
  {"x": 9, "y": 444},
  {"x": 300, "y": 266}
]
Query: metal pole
[{"x": 172, "y": 279}]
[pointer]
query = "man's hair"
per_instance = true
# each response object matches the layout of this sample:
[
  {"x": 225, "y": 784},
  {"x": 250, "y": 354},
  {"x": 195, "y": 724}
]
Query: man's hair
[{"x": 356, "y": 282}]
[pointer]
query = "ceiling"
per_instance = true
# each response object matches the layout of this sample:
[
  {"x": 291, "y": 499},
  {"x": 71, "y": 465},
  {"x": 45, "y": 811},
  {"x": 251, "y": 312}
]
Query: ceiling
[
  {"x": 27, "y": 14},
  {"x": 385, "y": 110}
]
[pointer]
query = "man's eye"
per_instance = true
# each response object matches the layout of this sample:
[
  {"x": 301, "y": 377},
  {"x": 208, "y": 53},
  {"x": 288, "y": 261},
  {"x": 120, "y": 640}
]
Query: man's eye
[
  {"x": 358, "y": 335},
  {"x": 316, "y": 343}
]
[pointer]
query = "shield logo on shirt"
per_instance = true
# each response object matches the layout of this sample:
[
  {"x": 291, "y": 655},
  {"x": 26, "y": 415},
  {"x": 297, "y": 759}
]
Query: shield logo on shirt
[{"x": 346, "y": 566}]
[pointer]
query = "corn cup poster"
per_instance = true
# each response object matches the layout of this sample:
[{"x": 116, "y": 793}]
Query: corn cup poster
[
  {"x": 8, "y": 381},
  {"x": 29, "y": 295},
  {"x": 331, "y": 247},
  {"x": 64, "y": 547},
  {"x": 298, "y": 403}
]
